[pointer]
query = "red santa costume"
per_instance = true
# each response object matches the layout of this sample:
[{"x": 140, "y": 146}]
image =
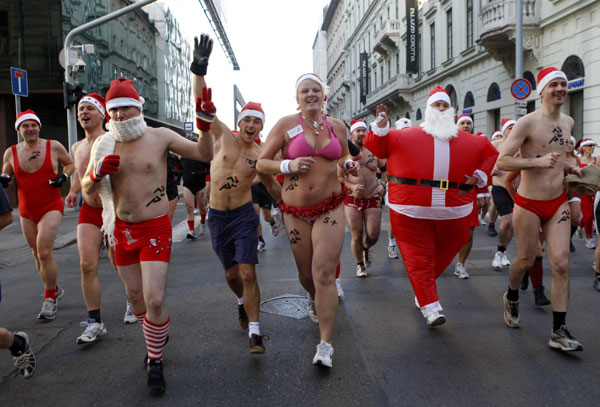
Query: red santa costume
[{"x": 430, "y": 220}]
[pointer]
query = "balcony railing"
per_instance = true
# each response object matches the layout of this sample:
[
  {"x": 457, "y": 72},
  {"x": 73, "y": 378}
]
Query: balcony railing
[
  {"x": 498, "y": 14},
  {"x": 384, "y": 38},
  {"x": 398, "y": 83}
]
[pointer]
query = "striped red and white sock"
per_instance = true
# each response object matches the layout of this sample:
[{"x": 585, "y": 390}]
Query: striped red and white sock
[
  {"x": 156, "y": 337},
  {"x": 140, "y": 317}
]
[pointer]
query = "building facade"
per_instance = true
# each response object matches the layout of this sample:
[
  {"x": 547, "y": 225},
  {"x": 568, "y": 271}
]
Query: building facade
[{"x": 465, "y": 46}]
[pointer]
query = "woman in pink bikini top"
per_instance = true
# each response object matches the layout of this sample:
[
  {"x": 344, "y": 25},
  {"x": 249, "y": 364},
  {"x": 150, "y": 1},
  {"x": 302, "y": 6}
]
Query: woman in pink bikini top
[{"x": 314, "y": 148}]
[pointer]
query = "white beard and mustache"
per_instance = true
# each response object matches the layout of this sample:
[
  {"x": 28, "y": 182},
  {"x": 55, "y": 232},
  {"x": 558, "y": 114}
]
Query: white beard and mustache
[
  {"x": 128, "y": 130},
  {"x": 440, "y": 124}
]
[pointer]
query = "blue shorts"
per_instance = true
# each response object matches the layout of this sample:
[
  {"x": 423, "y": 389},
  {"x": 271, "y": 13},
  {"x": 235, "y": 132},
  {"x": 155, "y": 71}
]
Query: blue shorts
[
  {"x": 233, "y": 235},
  {"x": 4, "y": 202}
]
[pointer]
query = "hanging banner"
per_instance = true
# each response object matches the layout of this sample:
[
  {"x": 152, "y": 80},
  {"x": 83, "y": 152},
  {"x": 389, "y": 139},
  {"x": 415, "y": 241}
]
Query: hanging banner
[
  {"x": 364, "y": 77},
  {"x": 412, "y": 37}
]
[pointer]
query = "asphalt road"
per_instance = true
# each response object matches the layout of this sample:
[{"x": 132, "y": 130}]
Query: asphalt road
[{"x": 385, "y": 355}]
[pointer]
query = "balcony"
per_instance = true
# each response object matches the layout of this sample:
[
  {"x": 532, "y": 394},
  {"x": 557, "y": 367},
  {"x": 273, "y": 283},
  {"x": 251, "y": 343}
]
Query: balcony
[
  {"x": 386, "y": 37},
  {"x": 390, "y": 92},
  {"x": 498, "y": 28}
]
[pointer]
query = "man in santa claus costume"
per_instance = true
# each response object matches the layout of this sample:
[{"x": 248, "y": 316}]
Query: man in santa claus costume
[{"x": 432, "y": 171}]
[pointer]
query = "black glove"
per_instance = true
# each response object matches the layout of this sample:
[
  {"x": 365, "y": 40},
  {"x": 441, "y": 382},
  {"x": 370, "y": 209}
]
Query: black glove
[
  {"x": 202, "y": 49},
  {"x": 58, "y": 180},
  {"x": 5, "y": 180}
]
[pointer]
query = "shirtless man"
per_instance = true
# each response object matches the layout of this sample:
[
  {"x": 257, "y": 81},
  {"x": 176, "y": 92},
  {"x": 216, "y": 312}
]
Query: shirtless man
[
  {"x": 362, "y": 206},
  {"x": 542, "y": 137},
  {"x": 232, "y": 220},
  {"x": 34, "y": 164},
  {"x": 128, "y": 166},
  {"x": 502, "y": 202}
]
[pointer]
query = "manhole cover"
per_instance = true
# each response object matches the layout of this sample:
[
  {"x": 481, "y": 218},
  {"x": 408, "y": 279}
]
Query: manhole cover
[{"x": 286, "y": 305}]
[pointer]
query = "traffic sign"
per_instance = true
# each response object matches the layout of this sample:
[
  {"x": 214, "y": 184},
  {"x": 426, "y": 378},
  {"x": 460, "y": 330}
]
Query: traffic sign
[
  {"x": 188, "y": 127},
  {"x": 19, "y": 82},
  {"x": 520, "y": 89}
]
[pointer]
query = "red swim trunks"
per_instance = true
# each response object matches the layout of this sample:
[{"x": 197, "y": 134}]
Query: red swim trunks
[
  {"x": 362, "y": 204},
  {"x": 544, "y": 209},
  {"x": 149, "y": 240},
  {"x": 88, "y": 214}
]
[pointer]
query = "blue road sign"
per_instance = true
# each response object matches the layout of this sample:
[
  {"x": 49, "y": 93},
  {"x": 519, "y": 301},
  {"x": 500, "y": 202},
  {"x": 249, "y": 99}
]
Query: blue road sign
[
  {"x": 188, "y": 127},
  {"x": 521, "y": 88},
  {"x": 19, "y": 82}
]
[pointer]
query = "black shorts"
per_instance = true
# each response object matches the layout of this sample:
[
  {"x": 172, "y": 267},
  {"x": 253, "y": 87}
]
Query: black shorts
[
  {"x": 260, "y": 196},
  {"x": 502, "y": 201},
  {"x": 194, "y": 182},
  {"x": 172, "y": 191},
  {"x": 4, "y": 202}
]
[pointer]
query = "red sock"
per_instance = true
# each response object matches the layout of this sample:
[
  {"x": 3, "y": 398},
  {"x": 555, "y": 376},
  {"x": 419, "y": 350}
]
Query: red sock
[
  {"x": 156, "y": 337},
  {"x": 202, "y": 217},
  {"x": 50, "y": 293},
  {"x": 140, "y": 317},
  {"x": 190, "y": 225},
  {"x": 536, "y": 272},
  {"x": 337, "y": 271}
]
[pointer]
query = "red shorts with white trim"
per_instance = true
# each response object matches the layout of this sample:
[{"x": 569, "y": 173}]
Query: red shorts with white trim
[
  {"x": 91, "y": 215},
  {"x": 149, "y": 240},
  {"x": 362, "y": 204}
]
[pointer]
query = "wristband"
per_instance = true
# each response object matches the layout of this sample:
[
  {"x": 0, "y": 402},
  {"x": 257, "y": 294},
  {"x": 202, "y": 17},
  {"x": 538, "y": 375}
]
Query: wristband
[
  {"x": 284, "y": 167},
  {"x": 346, "y": 163}
]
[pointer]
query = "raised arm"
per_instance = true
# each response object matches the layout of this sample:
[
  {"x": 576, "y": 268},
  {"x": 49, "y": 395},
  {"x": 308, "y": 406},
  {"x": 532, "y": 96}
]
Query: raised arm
[{"x": 377, "y": 139}]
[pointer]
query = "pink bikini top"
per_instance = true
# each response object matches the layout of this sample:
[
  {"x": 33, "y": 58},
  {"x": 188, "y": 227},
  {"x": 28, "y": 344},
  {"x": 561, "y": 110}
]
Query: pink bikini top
[{"x": 298, "y": 146}]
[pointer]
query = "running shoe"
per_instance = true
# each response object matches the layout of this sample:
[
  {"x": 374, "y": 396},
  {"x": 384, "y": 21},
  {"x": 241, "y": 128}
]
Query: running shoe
[
  {"x": 312, "y": 311},
  {"x": 25, "y": 361},
  {"x": 505, "y": 261},
  {"x": 393, "y": 252},
  {"x": 435, "y": 319},
  {"x": 361, "y": 271},
  {"x": 261, "y": 246},
  {"x": 323, "y": 355},
  {"x": 338, "y": 287},
  {"x": 597, "y": 282},
  {"x": 497, "y": 262},
  {"x": 590, "y": 244},
  {"x": 417, "y": 303},
  {"x": 48, "y": 309},
  {"x": 274, "y": 229},
  {"x": 156, "y": 379},
  {"x": 460, "y": 271},
  {"x": 59, "y": 292},
  {"x": 243, "y": 317},
  {"x": 563, "y": 340},
  {"x": 481, "y": 222},
  {"x": 201, "y": 229},
  {"x": 256, "y": 344},
  {"x": 511, "y": 312},
  {"x": 492, "y": 230},
  {"x": 129, "y": 317},
  {"x": 367, "y": 258},
  {"x": 540, "y": 297},
  {"x": 93, "y": 330},
  {"x": 191, "y": 235}
]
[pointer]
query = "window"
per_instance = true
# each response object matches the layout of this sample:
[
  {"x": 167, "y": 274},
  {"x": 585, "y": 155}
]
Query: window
[
  {"x": 449, "y": 32},
  {"x": 529, "y": 76},
  {"x": 493, "y": 92},
  {"x": 381, "y": 72},
  {"x": 432, "y": 44},
  {"x": 419, "y": 114},
  {"x": 469, "y": 23},
  {"x": 452, "y": 94},
  {"x": 573, "y": 67},
  {"x": 469, "y": 101}
]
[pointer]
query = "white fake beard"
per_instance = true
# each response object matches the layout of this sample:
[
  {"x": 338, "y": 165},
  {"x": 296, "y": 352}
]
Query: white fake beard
[
  {"x": 440, "y": 124},
  {"x": 128, "y": 130}
]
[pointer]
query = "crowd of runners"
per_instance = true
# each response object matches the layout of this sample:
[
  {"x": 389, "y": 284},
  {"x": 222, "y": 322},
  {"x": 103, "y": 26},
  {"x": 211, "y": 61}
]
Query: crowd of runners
[{"x": 313, "y": 175}]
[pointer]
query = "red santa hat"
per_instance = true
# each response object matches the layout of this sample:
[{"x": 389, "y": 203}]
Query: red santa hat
[
  {"x": 547, "y": 75},
  {"x": 26, "y": 115},
  {"x": 464, "y": 118},
  {"x": 97, "y": 101},
  {"x": 438, "y": 94},
  {"x": 497, "y": 133},
  {"x": 122, "y": 93},
  {"x": 587, "y": 142},
  {"x": 403, "y": 123},
  {"x": 357, "y": 124},
  {"x": 506, "y": 123},
  {"x": 252, "y": 109}
]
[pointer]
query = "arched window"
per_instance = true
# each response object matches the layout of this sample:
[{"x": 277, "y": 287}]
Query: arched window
[
  {"x": 469, "y": 100},
  {"x": 419, "y": 114},
  {"x": 493, "y": 92},
  {"x": 529, "y": 76},
  {"x": 407, "y": 115},
  {"x": 452, "y": 93},
  {"x": 573, "y": 67}
]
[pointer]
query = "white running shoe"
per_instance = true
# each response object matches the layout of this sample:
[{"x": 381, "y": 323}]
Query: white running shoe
[
  {"x": 435, "y": 319},
  {"x": 129, "y": 317},
  {"x": 191, "y": 235},
  {"x": 201, "y": 229},
  {"x": 367, "y": 258},
  {"x": 497, "y": 262},
  {"x": 93, "y": 330},
  {"x": 361, "y": 271},
  {"x": 505, "y": 261},
  {"x": 48, "y": 309},
  {"x": 312, "y": 311},
  {"x": 393, "y": 252},
  {"x": 590, "y": 244},
  {"x": 261, "y": 246},
  {"x": 460, "y": 271},
  {"x": 338, "y": 287},
  {"x": 323, "y": 355}
]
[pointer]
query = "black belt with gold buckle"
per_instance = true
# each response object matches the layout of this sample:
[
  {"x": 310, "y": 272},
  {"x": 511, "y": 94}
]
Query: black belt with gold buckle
[{"x": 441, "y": 184}]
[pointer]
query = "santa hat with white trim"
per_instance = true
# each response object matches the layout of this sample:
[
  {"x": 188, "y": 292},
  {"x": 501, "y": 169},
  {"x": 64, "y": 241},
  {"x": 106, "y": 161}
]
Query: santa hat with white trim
[
  {"x": 438, "y": 94},
  {"x": 122, "y": 94},
  {"x": 357, "y": 124},
  {"x": 27, "y": 115},
  {"x": 252, "y": 109},
  {"x": 464, "y": 118},
  {"x": 506, "y": 123},
  {"x": 546, "y": 76},
  {"x": 97, "y": 101},
  {"x": 587, "y": 142},
  {"x": 403, "y": 123},
  {"x": 498, "y": 134}
]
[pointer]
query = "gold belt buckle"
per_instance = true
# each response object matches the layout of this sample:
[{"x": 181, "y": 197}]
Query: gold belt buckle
[{"x": 444, "y": 184}]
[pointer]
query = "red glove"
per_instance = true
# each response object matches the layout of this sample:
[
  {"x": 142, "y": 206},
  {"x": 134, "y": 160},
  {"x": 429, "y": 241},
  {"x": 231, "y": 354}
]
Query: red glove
[
  {"x": 205, "y": 110},
  {"x": 106, "y": 166}
]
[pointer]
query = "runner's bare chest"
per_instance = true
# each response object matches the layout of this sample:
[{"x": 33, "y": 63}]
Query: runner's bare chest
[
  {"x": 233, "y": 168},
  {"x": 547, "y": 137},
  {"x": 31, "y": 158}
]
